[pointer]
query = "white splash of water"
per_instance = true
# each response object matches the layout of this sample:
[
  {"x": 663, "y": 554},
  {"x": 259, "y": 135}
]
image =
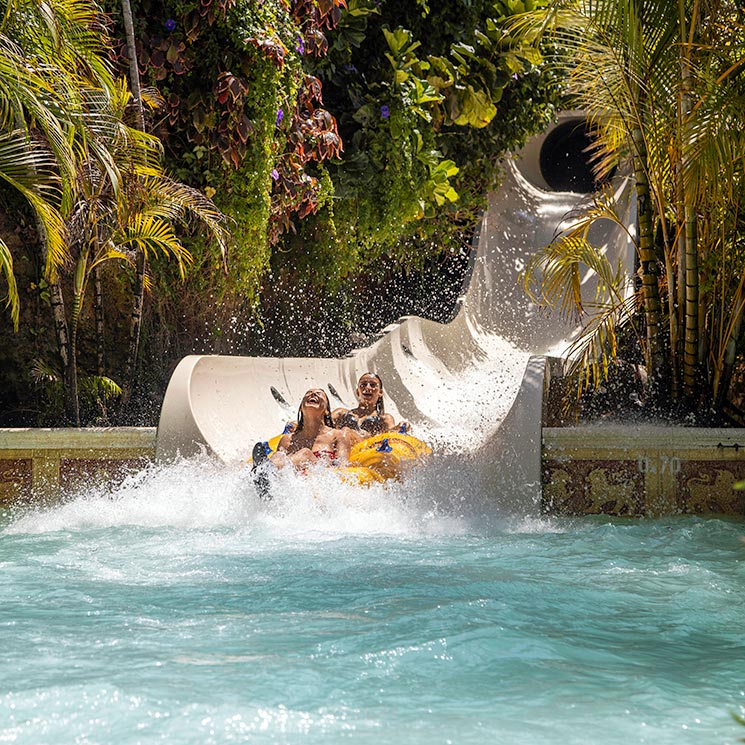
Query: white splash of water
[
  {"x": 471, "y": 406},
  {"x": 201, "y": 494},
  {"x": 444, "y": 496}
]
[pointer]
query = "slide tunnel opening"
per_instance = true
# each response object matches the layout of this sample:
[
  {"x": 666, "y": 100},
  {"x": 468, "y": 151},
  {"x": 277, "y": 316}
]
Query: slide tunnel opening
[{"x": 566, "y": 158}]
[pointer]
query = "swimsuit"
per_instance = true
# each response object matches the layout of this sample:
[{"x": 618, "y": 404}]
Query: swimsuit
[
  {"x": 372, "y": 424},
  {"x": 348, "y": 420},
  {"x": 330, "y": 454}
]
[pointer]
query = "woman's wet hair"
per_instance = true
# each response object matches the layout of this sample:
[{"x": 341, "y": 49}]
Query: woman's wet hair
[
  {"x": 326, "y": 415},
  {"x": 379, "y": 406}
]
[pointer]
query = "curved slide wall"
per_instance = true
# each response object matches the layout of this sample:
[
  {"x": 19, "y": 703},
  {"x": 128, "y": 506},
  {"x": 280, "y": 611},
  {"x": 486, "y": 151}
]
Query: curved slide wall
[{"x": 224, "y": 404}]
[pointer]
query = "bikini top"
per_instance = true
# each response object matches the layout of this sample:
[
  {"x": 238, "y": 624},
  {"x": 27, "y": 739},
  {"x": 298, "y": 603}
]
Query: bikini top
[
  {"x": 372, "y": 424},
  {"x": 348, "y": 420}
]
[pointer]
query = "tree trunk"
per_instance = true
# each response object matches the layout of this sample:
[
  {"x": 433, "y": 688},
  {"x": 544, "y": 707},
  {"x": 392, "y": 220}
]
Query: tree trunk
[
  {"x": 134, "y": 331},
  {"x": 673, "y": 326},
  {"x": 649, "y": 269},
  {"x": 690, "y": 357},
  {"x": 691, "y": 334},
  {"x": 723, "y": 378},
  {"x": 139, "y": 288},
  {"x": 681, "y": 287},
  {"x": 98, "y": 308},
  {"x": 66, "y": 353},
  {"x": 134, "y": 70}
]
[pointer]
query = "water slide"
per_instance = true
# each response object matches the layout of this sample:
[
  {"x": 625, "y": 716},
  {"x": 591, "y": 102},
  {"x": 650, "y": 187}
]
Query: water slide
[{"x": 473, "y": 386}]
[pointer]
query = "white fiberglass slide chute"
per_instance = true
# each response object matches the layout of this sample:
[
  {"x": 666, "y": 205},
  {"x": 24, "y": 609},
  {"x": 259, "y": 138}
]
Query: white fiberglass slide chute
[{"x": 482, "y": 372}]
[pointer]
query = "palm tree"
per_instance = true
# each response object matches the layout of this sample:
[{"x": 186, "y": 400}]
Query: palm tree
[
  {"x": 55, "y": 84},
  {"x": 35, "y": 154},
  {"x": 46, "y": 53},
  {"x": 554, "y": 277},
  {"x": 141, "y": 259},
  {"x": 126, "y": 218},
  {"x": 658, "y": 83},
  {"x": 97, "y": 186}
]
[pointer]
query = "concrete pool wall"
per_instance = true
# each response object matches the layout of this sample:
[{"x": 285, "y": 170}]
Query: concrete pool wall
[
  {"x": 642, "y": 470},
  {"x": 614, "y": 469},
  {"x": 38, "y": 465}
]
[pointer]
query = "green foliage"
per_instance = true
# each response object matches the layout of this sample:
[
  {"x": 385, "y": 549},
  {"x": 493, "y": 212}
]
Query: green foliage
[
  {"x": 338, "y": 139},
  {"x": 11, "y": 298},
  {"x": 553, "y": 278},
  {"x": 409, "y": 86},
  {"x": 97, "y": 392},
  {"x": 242, "y": 118},
  {"x": 416, "y": 106},
  {"x": 661, "y": 85}
]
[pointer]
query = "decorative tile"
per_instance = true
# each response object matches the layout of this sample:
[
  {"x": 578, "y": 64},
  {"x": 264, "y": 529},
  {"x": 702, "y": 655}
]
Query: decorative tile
[
  {"x": 581, "y": 487},
  {"x": 15, "y": 479},
  {"x": 708, "y": 487},
  {"x": 77, "y": 473}
]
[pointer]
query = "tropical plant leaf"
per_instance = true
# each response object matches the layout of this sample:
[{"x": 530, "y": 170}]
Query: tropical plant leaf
[
  {"x": 590, "y": 355},
  {"x": 12, "y": 300},
  {"x": 42, "y": 372}
]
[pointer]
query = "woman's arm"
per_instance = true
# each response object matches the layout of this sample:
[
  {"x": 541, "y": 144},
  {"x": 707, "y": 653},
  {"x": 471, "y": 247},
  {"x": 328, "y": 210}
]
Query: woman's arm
[
  {"x": 388, "y": 421},
  {"x": 345, "y": 440},
  {"x": 337, "y": 414}
]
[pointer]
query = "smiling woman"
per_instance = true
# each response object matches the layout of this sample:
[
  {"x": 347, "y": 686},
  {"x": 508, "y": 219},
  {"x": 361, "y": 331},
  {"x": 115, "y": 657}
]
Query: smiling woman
[
  {"x": 314, "y": 437},
  {"x": 369, "y": 415}
]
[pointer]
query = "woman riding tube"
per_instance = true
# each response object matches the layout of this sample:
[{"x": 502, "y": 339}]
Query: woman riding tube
[
  {"x": 369, "y": 416},
  {"x": 314, "y": 438}
]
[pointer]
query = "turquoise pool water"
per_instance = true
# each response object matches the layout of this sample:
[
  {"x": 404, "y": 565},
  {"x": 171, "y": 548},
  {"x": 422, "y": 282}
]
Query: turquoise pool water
[{"x": 179, "y": 609}]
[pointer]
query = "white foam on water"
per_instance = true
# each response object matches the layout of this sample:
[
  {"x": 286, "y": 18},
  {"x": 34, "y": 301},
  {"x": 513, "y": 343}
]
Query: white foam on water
[
  {"x": 191, "y": 494},
  {"x": 201, "y": 494},
  {"x": 321, "y": 504}
]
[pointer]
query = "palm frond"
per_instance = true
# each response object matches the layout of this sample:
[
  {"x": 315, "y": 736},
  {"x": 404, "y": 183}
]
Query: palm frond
[
  {"x": 180, "y": 203},
  {"x": 591, "y": 353},
  {"x": 151, "y": 234},
  {"x": 42, "y": 372},
  {"x": 12, "y": 301},
  {"x": 554, "y": 275},
  {"x": 100, "y": 387},
  {"x": 55, "y": 234},
  {"x": 109, "y": 254},
  {"x": 27, "y": 164},
  {"x": 31, "y": 170}
]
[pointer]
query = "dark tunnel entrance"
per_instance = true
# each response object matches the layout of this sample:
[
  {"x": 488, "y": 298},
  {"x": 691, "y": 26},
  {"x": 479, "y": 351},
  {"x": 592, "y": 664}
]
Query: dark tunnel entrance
[{"x": 565, "y": 158}]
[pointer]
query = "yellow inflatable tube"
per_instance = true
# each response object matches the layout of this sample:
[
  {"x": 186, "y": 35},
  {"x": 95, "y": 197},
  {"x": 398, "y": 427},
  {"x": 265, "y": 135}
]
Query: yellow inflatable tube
[
  {"x": 379, "y": 458},
  {"x": 388, "y": 455}
]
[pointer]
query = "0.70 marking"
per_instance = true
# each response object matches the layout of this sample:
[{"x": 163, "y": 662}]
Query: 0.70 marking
[{"x": 659, "y": 464}]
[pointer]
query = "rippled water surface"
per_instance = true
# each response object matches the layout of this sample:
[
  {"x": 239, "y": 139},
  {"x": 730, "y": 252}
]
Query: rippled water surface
[{"x": 180, "y": 609}]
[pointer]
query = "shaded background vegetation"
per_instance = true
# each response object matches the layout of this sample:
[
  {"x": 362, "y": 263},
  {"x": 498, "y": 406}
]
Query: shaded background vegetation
[{"x": 351, "y": 148}]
